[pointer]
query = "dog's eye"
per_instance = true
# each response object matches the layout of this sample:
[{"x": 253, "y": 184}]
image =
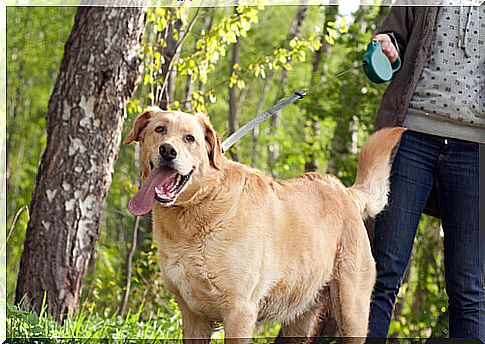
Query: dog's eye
[
  {"x": 189, "y": 138},
  {"x": 161, "y": 129}
]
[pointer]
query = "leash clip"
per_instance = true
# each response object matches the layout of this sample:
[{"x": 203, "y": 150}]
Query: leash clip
[{"x": 301, "y": 93}]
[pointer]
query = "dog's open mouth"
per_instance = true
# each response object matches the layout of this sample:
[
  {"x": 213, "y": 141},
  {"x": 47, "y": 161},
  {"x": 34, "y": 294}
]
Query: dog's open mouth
[
  {"x": 163, "y": 185},
  {"x": 168, "y": 191}
]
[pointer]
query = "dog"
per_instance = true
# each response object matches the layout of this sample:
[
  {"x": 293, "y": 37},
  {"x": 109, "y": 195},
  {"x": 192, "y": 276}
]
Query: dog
[{"x": 237, "y": 247}]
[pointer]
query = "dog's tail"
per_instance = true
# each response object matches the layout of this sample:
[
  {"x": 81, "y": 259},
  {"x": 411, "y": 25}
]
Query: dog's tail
[{"x": 371, "y": 187}]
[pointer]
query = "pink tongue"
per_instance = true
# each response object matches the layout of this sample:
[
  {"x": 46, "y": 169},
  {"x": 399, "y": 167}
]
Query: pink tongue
[{"x": 142, "y": 202}]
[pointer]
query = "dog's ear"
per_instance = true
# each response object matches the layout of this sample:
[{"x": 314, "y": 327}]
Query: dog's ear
[
  {"x": 140, "y": 123},
  {"x": 212, "y": 141}
]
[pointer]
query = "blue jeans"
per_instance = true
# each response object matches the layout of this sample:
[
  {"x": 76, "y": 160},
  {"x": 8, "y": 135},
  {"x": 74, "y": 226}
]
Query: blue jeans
[{"x": 453, "y": 165}]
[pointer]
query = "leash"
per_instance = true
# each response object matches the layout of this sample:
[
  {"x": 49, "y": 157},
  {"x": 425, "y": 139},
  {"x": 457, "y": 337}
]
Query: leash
[
  {"x": 236, "y": 136},
  {"x": 376, "y": 66}
]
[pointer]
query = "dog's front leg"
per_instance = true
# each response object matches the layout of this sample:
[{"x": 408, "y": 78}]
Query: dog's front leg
[
  {"x": 239, "y": 323},
  {"x": 195, "y": 329}
]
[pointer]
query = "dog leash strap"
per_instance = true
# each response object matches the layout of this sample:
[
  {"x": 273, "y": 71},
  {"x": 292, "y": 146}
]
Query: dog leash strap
[
  {"x": 278, "y": 106},
  {"x": 260, "y": 118},
  {"x": 336, "y": 76}
]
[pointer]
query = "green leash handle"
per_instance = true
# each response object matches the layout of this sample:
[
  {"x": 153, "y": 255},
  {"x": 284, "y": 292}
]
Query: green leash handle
[{"x": 377, "y": 66}]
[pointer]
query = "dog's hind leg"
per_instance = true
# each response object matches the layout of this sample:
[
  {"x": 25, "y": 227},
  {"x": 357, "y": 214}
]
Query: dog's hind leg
[
  {"x": 302, "y": 328},
  {"x": 351, "y": 292},
  {"x": 308, "y": 324}
]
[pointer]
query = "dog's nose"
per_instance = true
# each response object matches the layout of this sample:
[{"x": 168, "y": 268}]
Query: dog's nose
[{"x": 167, "y": 152}]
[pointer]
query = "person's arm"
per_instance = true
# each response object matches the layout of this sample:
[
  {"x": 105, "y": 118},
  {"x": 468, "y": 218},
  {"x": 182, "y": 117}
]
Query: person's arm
[{"x": 395, "y": 31}]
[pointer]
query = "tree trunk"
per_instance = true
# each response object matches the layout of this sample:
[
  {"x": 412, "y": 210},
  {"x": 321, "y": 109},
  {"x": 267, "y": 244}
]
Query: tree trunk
[
  {"x": 129, "y": 268},
  {"x": 311, "y": 163},
  {"x": 189, "y": 88},
  {"x": 170, "y": 52},
  {"x": 98, "y": 74},
  {"x": 340, "y": 141},
  {"x": 233, "y": 118},
  {"x": 295, "y": 31},
  {"x": 208, "y": 22},
  {"x": 255, "y": 147}
]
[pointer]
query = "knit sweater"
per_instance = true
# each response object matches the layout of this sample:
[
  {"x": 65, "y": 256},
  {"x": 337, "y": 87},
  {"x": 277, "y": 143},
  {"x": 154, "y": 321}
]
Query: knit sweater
[
  {"x": 413, "y": 30},
  {"x": 448, "y": 100}
]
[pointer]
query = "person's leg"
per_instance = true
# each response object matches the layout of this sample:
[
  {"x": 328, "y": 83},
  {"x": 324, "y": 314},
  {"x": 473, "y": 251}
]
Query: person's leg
[
  {"x": 458, "y": 193},
  {"x": 412, "y": 178}
]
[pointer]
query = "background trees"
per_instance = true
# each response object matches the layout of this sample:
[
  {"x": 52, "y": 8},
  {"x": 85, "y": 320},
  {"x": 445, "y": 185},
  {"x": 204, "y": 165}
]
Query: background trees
[{"x": 187, "y": 54}]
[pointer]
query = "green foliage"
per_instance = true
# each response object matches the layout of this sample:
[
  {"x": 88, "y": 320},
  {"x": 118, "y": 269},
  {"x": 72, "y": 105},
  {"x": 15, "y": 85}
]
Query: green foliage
[
  {"x": 104, "y": 286},
  {"x": 212, "y": 46}
]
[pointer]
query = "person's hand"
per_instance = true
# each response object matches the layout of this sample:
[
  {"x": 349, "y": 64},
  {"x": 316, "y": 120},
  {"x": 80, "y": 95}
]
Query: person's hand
[{"x": 387, "y": 47}]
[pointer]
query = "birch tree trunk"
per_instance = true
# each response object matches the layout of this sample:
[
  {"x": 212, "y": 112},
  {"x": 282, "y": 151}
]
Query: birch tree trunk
[{"x": 99, "y": 72}]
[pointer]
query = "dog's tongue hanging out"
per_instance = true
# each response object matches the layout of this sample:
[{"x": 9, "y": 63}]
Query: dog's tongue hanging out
[{"x": 142, "y": 202}]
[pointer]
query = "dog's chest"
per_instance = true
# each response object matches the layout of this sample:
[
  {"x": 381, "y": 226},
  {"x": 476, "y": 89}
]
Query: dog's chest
[{"x": 185, "y": 273}]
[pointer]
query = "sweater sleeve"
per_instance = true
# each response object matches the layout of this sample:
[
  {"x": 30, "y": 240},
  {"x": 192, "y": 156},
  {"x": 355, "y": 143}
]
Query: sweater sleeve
[{"x": 398, "y": 25}]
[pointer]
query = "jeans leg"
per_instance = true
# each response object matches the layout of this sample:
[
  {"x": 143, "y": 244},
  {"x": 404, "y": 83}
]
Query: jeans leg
[
  {"x": 412, "y": 178},
  {"x": 458, "y": 193}
]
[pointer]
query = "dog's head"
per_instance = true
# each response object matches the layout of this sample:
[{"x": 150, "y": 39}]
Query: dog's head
[{"x": 178, "y": 151}]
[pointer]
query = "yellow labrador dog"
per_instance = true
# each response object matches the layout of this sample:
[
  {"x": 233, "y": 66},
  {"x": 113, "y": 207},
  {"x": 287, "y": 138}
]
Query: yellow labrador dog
[{"x": 239, "y": 247}]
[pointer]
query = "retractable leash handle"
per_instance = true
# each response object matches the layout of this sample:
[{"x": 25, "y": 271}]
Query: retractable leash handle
[{"x": 377, "y": 66}]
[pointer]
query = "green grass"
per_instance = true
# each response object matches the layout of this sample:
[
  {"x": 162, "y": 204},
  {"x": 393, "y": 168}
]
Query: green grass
[{"x": 88, "y": 326}]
